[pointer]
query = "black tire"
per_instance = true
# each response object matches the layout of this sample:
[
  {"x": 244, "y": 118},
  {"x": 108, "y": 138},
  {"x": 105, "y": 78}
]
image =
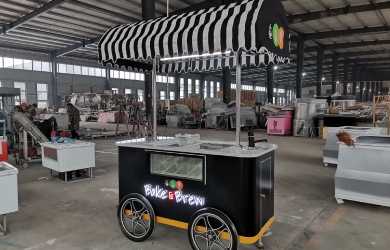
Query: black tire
[
  {"x": 213, "y": 223},
  {"x": 139, "y": 219}
]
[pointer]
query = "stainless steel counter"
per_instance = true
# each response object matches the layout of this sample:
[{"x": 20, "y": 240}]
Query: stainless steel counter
[{"x": 205, "y": 146}]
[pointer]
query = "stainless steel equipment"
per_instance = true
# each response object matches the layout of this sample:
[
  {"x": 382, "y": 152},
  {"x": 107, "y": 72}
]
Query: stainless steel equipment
[
  {"x": 331, "y": 148},
  {"x": 305, "y": 110},
  {"x": 363, "y": 172}
]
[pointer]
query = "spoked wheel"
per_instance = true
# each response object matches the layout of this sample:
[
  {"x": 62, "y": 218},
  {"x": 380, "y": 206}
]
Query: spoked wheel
[
  {"x": 210, "y": 229},
  {"x": 136, "y": 217}
]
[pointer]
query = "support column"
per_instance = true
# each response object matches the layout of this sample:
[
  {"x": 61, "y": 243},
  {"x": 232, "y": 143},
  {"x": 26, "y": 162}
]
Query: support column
[
  {"x": 201, "y": 87},
  {"x": 374, "y": 89},
  {"x": 346, "y": 76},
  {"x": 362, "y": 76},
  {"x": 354, "y": 80},
  {"x": 177, "y": 86},
  {"x": 270, "y": 83},
  {"x": 320, "y": 64},
  {"x": 108, "y": 79},
  {"x": 300, "y": 59},
  {"x": 381, "y": 87},
  {"x": 148, "y": 12},
  {"x": 335, "y": 69},
  {"x": 226, "y": 84},
  {"x": 367, "y": 88},
  {"x": 54, "y": 81}
]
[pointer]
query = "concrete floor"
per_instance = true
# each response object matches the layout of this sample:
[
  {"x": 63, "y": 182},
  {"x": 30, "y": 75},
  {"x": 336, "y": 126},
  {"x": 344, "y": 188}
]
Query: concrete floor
[{"x": 82, "y": 215}]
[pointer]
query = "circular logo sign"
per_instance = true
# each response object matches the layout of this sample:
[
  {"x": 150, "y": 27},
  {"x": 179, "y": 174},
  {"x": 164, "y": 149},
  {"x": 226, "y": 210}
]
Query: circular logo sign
[
  {"x": 275, "y": 31},
  {"x": 179, "y": 185},
  {"x": 172, "y": 184},
  {"x": 166, "y": 183},
  {"x": 281, "y": 37}
]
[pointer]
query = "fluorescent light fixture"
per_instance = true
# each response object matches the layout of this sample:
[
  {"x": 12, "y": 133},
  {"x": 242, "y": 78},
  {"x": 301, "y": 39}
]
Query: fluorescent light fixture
[
  {"x": 370, "y": 89},
  {"x": 357, "y": 87},
  {"x": 337, "y": 82},
  {"x": 275, "y": 67},
  {"x": 364, "y": 89},
  {"x": 323, "y": 78},
  {"x": 303, "y": 73},
  {"x": 194, "y": 56}
]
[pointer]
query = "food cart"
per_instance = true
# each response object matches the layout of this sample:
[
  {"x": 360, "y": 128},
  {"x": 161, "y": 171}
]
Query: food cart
[{"x": 221, "y": 191}]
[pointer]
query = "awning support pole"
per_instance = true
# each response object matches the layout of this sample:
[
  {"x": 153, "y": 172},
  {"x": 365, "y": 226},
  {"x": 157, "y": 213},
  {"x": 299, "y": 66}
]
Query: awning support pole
[
  {"x": 154, "y": 100},
  {"x": 238, "y": 99}
]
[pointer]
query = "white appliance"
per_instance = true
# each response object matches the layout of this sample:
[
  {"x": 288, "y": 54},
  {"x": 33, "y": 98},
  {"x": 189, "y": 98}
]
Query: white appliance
[
  {"x": 65, "y": 157},
  {"x": 8, "y": 192}
]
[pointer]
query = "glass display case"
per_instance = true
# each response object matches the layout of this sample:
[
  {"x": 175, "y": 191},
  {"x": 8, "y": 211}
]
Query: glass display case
[{"x": 182, "y": 166}]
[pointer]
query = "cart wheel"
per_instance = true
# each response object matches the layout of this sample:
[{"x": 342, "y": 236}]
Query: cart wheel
[
  {"x": 136, "y": 217},
  {"x": 211, "y": 229}
]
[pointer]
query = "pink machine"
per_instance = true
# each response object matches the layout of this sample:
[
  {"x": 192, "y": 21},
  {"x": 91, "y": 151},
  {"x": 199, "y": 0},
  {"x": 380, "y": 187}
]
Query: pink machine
[{"x": 280, "y": 123}]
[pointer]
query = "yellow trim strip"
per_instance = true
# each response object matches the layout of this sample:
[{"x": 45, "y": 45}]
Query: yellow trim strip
[{"x": 224, "y": 235}]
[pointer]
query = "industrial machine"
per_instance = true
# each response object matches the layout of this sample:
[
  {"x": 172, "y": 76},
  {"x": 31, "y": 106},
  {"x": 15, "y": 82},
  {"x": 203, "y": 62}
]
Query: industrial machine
[{"x": 26, "y": 138}]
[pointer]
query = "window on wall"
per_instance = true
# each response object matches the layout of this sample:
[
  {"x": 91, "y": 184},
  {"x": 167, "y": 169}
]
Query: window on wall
[
  {"x": 218, "y": 86},
  {"x": 162, "y": 95},
  {"x": 61, "y": 68},
  {"x": 233, "y": 86},
  {"x": 127, "y": 91},
  {"x": 69, "y": 69},
  {"x": 171, "y": 80},
  {"x": 42, "y": 95},
  {"x": 211, "y": 89},
  {"x": 189, "y": 85},
  {"x": 8, "y": 62},
  {"x": 98, "y": 72},
  {"x": 22, "y": 87},
  {"x": 37, "y": 65},
  {"x": 282, "y": 91},
  {"x": 260, "y": 88},
  {"x": 205, "y": 89},
  {"x": 197, "y": 83},
  {"x": 140, "y": 93},
  {"x": 46, "y": 66},
  {"x": 115, "y": 90},
  {"x": 84, "y": 71},
  {"x": 275, "y": 90},
  {"x": 77, "y": 70},
  {"x": 27, "y": 64},
  {"x": 172, "y": 95},
  {"x": 1, "y": 62},
  {"x": 18, "y": 63},
  {"x": 91, "y": 71},
  {"x": 181, "y": 87}
]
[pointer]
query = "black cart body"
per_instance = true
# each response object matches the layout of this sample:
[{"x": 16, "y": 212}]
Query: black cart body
[{"x": 240, "y": 185}]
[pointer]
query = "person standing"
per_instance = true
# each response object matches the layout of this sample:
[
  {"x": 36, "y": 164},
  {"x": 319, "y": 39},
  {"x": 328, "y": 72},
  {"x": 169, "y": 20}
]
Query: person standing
[{"x": 74, "y": 120}]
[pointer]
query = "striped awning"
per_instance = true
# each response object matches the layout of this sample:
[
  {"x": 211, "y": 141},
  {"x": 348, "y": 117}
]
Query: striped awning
[{"x": 258, "y": 27}]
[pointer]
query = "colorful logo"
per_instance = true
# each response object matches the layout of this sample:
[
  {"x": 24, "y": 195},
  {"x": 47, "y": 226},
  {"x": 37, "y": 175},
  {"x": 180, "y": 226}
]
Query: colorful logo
[
  {"x": 276, "y": 34},
  {"x": 179, "y": 185},
  {"x": 172, "y": 184}
]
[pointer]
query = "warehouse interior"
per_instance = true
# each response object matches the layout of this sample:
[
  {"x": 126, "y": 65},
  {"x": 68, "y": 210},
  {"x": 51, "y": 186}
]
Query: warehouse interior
[{"x": 110, "y": 103}]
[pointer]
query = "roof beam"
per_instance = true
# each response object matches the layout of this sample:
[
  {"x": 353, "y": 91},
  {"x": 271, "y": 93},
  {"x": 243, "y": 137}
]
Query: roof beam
[
  {"x": 345, "y": 32},
  {"x": 105, "y": 11},
  {"x": 299, "y": 18},
  {"x": 70, "y": 48},
  {"x": 24, "y": 49},
  {"x": 34, "y": 14},
  {"x": 344, "y": 45}
]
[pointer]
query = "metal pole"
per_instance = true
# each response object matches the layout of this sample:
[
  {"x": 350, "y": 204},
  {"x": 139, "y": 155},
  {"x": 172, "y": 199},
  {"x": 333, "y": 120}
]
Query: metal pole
[
  {"x": 238, "y": 99},
  {"x": 154, "y": 100},
  {"x": 167, "y": 8}
]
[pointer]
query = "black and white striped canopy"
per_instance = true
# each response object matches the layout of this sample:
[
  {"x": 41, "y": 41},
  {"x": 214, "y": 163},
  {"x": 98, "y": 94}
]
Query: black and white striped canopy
[{"x": 257, "y": 27}]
